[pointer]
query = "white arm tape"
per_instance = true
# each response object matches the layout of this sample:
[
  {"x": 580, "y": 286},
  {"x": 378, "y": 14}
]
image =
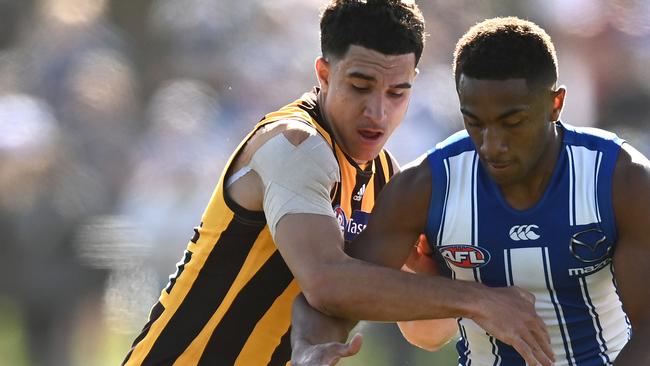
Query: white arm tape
[{"x": 297, "y": 179}]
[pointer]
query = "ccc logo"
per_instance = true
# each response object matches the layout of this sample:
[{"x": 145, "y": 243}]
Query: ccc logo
[{"x": 523, "y": 232}]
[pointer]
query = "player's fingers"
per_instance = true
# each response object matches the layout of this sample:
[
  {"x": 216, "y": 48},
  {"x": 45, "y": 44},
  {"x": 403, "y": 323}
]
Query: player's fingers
[
  {"x": 526, "y": 352},
  {"x": 540, "y": 351},
  {"x": 354, "y": 345},
  {"x": 335, "y": 351},
  {"x": 544, "y": 340},
  {"x": 423, "y": 246}
]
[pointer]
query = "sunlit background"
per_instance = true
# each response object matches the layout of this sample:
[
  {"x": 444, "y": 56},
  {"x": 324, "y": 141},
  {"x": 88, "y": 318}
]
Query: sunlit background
[{"x": 116, "y": 118}]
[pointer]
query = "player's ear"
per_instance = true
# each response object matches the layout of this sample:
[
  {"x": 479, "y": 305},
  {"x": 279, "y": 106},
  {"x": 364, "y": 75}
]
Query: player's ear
[
  {"x": 323, "y": 72},
  {"x": 558, "y": 103}
]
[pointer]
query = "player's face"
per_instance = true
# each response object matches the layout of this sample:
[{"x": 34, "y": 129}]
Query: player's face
[
  {"x": 364, "y": 97},
  {"x": 510, "y": 126}
]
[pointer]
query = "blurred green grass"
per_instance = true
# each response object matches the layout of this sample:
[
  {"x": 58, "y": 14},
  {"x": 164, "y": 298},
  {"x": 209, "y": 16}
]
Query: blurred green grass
[
  {"x": 101, "y": 345},
  {"x": 383, "y": 345}
]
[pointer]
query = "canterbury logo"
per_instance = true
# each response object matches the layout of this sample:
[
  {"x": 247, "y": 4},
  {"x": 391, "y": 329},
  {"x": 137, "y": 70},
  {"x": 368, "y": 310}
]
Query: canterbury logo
[{"x": 523, "y": 232}]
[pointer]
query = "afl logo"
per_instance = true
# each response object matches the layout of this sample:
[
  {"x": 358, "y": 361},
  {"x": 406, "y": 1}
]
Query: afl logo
[
  {"x": 465, "y": 256},
  {"x": 340, "y": 217}
]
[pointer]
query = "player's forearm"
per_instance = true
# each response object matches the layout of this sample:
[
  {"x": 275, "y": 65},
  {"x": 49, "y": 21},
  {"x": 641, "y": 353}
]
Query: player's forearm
[
  {"x": 355, "y": 289},
  {"x": 310, "y": 326}
]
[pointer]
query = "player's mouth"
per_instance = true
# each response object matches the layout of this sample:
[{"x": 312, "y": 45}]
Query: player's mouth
[
  {"x": 370, "y": 135},
  {"x": 499, "y": 165}
]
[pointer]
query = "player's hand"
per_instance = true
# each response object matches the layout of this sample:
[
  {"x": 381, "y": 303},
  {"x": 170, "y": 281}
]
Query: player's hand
[
  {"x": 509, "y": 315},
  {"x": 419, "y": 260},
  {"x": 326, "y": 354}
]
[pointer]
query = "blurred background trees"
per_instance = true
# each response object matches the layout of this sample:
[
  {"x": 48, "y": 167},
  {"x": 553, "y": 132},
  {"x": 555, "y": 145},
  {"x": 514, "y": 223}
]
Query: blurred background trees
[{"x": 116, "y": 118}]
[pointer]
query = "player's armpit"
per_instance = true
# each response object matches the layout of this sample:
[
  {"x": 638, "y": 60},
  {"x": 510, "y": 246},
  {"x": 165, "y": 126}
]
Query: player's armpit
[{"x": 397, "y": 220}]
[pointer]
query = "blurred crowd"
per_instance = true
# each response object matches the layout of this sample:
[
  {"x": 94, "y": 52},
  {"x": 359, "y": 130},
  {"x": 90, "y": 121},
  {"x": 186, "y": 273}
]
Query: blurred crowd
[{"x": 116, "y": 118}]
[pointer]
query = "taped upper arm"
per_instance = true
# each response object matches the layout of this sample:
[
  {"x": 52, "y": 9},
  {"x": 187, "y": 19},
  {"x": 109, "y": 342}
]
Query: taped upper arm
[{"x": 296, "y": 178}]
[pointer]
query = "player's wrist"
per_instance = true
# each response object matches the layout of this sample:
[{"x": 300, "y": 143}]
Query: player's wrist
[{"x": 469, "y": 303}]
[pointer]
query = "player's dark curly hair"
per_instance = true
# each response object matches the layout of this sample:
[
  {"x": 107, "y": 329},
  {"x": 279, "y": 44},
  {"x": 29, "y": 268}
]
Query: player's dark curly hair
[
  {"x": 392, "y": 27},
  {"x": 507, "y": 48}
]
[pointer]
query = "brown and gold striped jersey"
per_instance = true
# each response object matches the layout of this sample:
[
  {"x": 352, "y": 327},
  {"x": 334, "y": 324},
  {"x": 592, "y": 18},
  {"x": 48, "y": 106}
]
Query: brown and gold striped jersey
[{"x": 229, "y": 302}]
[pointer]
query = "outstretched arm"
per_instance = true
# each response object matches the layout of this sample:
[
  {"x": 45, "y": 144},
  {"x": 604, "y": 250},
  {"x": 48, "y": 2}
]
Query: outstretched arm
[
  {"x": 362, "y": 289},
  {"x": 632, "y": 257}
]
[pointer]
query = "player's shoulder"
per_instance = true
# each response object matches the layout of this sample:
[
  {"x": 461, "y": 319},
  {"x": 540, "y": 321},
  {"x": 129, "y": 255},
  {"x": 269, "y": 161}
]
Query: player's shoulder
[
  {"x": 413, "y": 177},
  {"x": 287, "y": 132},
  {"x": 295, "y": 131},
  {"x": 590, "y": 137},
  {"x": 632, "y": 165},
  {"x": 453, "y": 145}
]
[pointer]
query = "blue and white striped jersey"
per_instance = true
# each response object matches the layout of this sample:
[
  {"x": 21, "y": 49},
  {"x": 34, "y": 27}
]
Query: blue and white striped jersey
[{"x": 560, "y": 250}]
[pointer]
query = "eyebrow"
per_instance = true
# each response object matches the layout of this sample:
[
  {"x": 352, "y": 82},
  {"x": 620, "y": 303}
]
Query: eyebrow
[
  {"x": 359, "y": 75},
  {"x": 503, "y": 115}
]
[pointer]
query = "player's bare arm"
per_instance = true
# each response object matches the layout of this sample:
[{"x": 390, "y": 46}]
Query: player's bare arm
[
  {"x": 379, "y": 293},
  {"x": 632, "y": 256}
]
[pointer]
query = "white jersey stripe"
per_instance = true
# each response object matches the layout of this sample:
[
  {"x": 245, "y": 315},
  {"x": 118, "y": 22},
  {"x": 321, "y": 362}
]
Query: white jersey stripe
[
  {"x": 598, "y": 161},
  {"x": 459, "y": 210},
  {"x": 560, "y": 313},
  {"x": 495, "y": 352},
  {"x": 444, "y": 207},
  {"x": 506, "y": 264},
  {"x": 584, "y": 172},
  {"x": 477, "y": 271},
  {"x": 594, "y": 318},
  {"x": 571, "y": 187},
  {"x": 612, "y": 333}
]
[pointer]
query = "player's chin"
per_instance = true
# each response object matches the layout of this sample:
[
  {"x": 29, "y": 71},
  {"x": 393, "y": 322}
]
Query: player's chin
[
  {"x": 369, "y": 150},
  {"x": 365, "y": 155}
]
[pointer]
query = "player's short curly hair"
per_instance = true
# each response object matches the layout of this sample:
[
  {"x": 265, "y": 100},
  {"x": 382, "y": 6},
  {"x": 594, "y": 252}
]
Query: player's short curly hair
[
  {"x": 392, "y": 27},
  {"x": 507, "y": 48}
]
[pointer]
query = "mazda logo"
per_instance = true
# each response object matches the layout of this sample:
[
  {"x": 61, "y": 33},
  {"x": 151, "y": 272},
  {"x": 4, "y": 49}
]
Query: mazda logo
[{"x": 587, "y": 246}]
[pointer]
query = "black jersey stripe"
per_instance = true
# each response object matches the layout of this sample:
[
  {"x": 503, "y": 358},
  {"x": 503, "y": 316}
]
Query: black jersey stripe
[
  {"x": 252, "y": 302},
  {"x": 336, "y": 197},
  {"x": 210, "y": 287},
  {"x": 196, "y": 235},
  {"x": 389, "y": 162},
  {"x": 282, "y": 353},
  {"x": 154, "y": 314},
  {"x": 379, "y": 178}
]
